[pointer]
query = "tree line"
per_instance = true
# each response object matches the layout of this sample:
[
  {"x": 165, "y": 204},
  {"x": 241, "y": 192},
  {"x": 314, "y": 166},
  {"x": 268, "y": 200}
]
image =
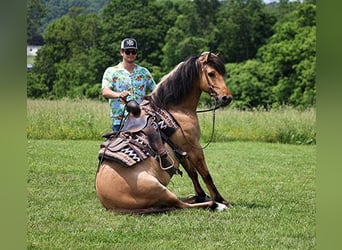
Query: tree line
[{"x": 269, "y": 49}]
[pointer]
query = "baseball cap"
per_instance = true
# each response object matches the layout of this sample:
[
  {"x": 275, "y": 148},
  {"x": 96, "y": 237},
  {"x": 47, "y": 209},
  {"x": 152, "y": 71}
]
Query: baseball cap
[{"x": 129, "y": 43}]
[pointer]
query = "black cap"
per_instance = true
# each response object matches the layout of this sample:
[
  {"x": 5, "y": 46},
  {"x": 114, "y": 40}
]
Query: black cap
[{"x": 129, "y": 43}]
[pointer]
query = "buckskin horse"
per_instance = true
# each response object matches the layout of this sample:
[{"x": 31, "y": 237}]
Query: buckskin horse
[{"x": 142, "y": 188}]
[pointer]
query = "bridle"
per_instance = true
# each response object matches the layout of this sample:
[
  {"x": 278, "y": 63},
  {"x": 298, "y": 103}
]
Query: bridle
[
  {"x": 212, "y": 92},
  {"x": 213, "y": 95}
]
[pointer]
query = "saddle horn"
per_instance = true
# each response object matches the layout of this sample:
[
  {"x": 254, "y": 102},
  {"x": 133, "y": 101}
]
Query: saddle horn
[{"x": 133, "y": 107}]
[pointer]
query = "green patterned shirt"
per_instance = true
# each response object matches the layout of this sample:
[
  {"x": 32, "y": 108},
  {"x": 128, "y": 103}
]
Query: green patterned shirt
[{"x": 139, "y": 83}]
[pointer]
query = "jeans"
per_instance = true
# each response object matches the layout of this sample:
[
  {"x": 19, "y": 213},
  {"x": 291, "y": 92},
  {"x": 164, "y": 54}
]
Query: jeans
[{"x": 115, "y": 128}]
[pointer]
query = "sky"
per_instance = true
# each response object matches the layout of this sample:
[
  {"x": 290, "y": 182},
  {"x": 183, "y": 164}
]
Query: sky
[{"x": 269, "y": 1}]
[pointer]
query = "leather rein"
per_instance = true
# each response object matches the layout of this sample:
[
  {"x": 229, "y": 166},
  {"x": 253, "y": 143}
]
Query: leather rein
[{"x": 213, "y": 95}]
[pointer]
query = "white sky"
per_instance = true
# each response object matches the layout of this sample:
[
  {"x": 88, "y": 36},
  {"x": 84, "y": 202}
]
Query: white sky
[{"x": 269, "y": 1}]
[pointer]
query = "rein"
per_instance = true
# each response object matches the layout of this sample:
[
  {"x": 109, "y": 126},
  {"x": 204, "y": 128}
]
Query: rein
[
  {"x": 207, "y": 110},
  {"x": 213, "y": 126},
  {"x": 210, "y": 109},
  {"x": 212, "y": 94}
]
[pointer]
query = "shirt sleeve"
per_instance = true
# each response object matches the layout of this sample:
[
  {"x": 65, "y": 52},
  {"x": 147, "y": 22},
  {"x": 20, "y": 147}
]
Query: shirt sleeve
[{"x": 107, "y": 81}]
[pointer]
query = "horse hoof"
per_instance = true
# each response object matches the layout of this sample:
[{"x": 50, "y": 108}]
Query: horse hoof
[{"x": 220, "y": 207}]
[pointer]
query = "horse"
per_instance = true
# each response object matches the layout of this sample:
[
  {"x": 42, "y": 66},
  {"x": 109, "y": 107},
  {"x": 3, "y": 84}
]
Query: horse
[{"x": 142, "y": 188}]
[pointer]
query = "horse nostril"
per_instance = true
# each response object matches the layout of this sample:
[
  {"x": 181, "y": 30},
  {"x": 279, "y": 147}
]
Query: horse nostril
[{"x": 225, "y": 100}]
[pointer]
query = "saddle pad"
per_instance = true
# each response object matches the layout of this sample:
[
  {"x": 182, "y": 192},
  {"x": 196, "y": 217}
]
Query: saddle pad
[
  {"x": 127, "y": 151},
  {"x": 130, "y": 147}
]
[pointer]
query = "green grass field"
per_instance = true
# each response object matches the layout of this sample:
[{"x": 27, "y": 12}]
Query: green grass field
[
  {"x": 264, "y": 162},
  {"x": 88, "y": 120},
  {"x": 271, "y": 185}
]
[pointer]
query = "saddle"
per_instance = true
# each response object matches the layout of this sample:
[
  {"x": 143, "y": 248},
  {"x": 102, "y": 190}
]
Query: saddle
[
  {"x": 135, "y": 124},
  {"x": 134, "y": 121},
  {"x": 130, "y": 145}
]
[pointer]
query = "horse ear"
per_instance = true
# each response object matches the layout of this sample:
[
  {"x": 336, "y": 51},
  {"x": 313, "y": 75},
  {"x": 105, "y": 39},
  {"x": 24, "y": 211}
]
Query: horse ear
[
  {"x": 208, "y": 57},
  {"x": 205, "y": 57}
]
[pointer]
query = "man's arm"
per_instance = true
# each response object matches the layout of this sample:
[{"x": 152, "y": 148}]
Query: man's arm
[{"x": 110, "y": 94}]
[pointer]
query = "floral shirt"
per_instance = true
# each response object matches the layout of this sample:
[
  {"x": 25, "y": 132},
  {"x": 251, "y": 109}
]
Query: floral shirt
[{"x": 139, "y": 83}]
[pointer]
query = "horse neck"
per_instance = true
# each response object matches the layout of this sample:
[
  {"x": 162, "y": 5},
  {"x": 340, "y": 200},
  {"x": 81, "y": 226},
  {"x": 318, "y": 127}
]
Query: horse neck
[{"x": 192, "y": 99}]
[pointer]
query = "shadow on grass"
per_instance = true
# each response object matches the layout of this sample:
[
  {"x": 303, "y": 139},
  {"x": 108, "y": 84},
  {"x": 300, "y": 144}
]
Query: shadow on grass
[{"x": 250, "y": 205}]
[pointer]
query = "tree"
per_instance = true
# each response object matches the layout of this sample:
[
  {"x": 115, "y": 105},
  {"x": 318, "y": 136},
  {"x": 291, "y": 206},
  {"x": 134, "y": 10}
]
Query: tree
[
  {"x": 249, "y": 82},
  {"x": 55, "y": 9},
  {"x": 192, "y": 33},
  {"x": 276, "y": 63},
  {"x": 291, "y": 52},
  {"x": 244, "y": 27},
  {"x": 180, "y": 44},
  {"x": 34, "y": 15},
  {"x": 284, "y": 70},
  {"x": 146, "y": 21},
  {"x": 70, "y": 56}
]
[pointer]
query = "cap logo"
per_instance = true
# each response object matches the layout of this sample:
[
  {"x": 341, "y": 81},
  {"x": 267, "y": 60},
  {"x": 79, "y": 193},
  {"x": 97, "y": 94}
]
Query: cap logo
[{"x": 130, "y": 42}]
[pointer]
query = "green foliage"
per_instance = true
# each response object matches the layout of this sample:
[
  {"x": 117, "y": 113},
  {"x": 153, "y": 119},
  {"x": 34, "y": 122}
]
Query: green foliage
[
  {"x": 34, "y": 15},
  {"x": 272, "y": 188},
  {"x": 244, "y": 26},
  {"x": 70, "y": 58},
  {"x": 146, "y": 21},
  {"x": 270, "y": 49},
  {"x": 284, "y": 70},
  {"x": 191, "y": 33},
  {"x": 249, "y": 83},
  {"x": 34, "y": 85},
  {"x": 55, "y": 9}
]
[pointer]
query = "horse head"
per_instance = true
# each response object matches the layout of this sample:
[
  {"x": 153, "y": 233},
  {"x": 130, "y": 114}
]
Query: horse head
[{"x": 212, "y": 80}]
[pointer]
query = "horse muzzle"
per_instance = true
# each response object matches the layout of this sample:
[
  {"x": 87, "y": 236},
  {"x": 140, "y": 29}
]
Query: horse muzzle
[{"x": 224, "y": 100}]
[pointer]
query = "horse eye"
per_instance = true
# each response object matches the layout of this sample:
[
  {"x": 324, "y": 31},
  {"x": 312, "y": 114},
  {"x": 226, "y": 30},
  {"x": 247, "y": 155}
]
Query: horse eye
[{"x": 211, "y": 74}]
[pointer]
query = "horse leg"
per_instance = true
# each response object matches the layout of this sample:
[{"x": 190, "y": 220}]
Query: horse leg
[
  {"x": 168, "y": 198},
  {"x": 200, "y": 195},
  {"x": 197, "y": 160}
]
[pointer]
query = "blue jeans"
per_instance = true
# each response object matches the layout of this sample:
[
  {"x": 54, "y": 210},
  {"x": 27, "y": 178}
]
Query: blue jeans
[{"x": 115, "y": 128}]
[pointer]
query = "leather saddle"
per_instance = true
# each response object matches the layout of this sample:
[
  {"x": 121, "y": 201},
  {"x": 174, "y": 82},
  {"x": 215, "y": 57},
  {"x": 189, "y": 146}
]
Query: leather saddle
[
  {"x": 134, "y": 124},
  {"x": 135, "y": 120}
]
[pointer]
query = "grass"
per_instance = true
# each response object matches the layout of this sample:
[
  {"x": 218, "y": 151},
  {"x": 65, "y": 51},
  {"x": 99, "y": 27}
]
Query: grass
[
  {"x": 30, "y": 59},
  {"x": 88, "y": 120},
  {"x": 67, "y": 119},
  {"x": 272, "y": 187},
  {"x": 285, "y": 125}
]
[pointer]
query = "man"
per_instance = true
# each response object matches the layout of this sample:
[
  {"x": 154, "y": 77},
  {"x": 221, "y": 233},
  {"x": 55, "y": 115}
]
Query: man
[{"x": 126, "y": 81}]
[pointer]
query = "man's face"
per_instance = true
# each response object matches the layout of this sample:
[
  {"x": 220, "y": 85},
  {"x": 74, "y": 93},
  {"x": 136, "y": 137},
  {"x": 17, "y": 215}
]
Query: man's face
[{"x": 129, "y": 55}]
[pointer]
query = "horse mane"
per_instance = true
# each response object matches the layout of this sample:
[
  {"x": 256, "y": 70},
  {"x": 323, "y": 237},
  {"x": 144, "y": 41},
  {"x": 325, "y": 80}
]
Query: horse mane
[{"x": 176, "y": 85}]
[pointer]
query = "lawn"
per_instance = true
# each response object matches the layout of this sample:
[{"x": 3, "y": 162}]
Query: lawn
[
  {"x": 89, "y": 119},
  {"x": 271, "y": 185}
]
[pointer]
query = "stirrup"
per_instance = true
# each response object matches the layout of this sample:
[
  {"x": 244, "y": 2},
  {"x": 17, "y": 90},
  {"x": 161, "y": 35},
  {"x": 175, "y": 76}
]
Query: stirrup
[{"x": 161, "y": 164}]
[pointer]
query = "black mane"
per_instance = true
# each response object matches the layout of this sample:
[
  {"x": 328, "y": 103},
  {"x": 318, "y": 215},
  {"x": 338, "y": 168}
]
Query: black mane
[{"x": 177, "y": 84}]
